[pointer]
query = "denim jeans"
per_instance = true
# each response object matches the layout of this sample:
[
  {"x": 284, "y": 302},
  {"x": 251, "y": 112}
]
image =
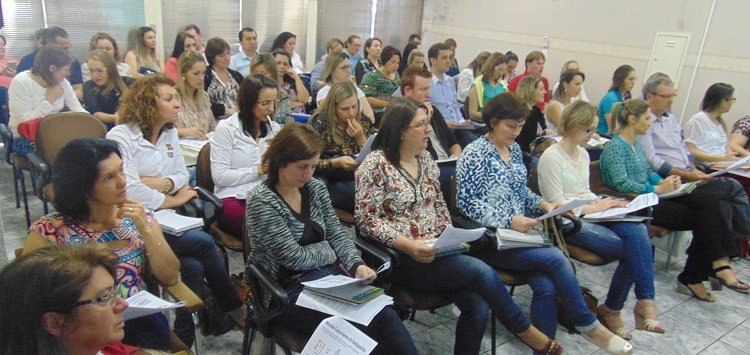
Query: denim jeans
[
  {"x": 200, "y": 259},
  {"x": 552, "y": 275},
  {"x": 148, "y": 332},
  {"x": 473, "y": 286},
  {"x": 342, "y": 194},
  {"x": 629, "y": 242}
]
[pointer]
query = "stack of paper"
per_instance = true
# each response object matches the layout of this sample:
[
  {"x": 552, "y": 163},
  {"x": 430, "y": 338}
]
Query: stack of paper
[
  {"x": 176, "y": 224},
  {"x": 362, "y": 313},
  {"x": 454, "y": 240},
  {"x": 619, "y": 214},
  {"x": 510, "y": 238},
  {"x": 343, "y": 288},
  {"x": 144, "y": 303},
  {"x": 683, "y": 190}
]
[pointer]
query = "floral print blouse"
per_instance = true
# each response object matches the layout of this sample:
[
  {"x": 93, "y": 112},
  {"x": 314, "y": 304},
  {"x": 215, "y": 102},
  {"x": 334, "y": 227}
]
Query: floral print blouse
[
  {"x": 491, "y": 191},
  {"x": 190, "y": 115},
  {"x": 339, "y": 143},
  {"x": 389, "y": 202},
  {"x": 742, "y": 126}
]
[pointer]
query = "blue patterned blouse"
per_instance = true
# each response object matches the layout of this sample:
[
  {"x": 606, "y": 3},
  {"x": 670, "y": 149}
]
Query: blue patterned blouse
[{"x": 490, "y": 191}]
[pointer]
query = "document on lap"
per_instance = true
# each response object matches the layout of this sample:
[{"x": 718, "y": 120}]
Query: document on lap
[
  {"x": 638, "y": 203},
  {"x": 336, "y": 336}
]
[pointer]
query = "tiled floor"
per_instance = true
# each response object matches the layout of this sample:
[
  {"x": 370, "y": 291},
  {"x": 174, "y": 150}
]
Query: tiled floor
[{"x": 693, "y": 327}]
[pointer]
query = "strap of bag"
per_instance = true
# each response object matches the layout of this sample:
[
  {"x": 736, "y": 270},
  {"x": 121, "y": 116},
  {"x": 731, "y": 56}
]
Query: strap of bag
[{"x": 550, "y": 227}]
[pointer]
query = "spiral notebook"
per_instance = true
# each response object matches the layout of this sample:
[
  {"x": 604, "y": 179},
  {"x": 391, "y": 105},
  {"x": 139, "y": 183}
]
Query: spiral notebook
[{"x": 454, "y": 240}]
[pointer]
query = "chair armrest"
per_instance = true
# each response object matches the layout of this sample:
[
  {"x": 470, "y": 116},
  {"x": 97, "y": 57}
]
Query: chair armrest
[
  {"x": 266, "y": 282},
  {"x": 576, "y": 224},
  {"x": 40, "y": 170},
  {"x": 372, "y": 254},
  {"x": 216, "y": 210},
  {"x": 181, "y": 292},
  {"x": 7, "y": 138}
]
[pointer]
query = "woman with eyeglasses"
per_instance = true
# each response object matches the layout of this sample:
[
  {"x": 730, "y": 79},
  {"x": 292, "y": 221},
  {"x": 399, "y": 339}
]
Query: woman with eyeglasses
[
  {"x": 398, "y": 203},
  {"x": 706, "y": 131},
  {"x": 221, "y": 83},
  {"x": 625, "y": 168},
  {"x": 492, "y": 190},
  {"x": 62, "y": 300},
  {"x": 265, "y": 64},
  {"x": 563, "y": 177},
  {"x": 337, "y": 69},
  {"x": 344, "y": 131},
  {"x": 101, "y": 94},
  {"x": 238, "y": 146},
  {"x": 92, "y": 207},
  {"x": 103, "y": 41}
]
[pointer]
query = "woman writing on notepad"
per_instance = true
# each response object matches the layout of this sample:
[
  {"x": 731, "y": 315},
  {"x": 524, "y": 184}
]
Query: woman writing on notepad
[
  {"x": 158, "y": 178},
  {"x": 563, "y": 177},
  {"x": 92, "y": 207},
  {"x": 624, "y": 168},
  {"x": 344, "y": 130},
  {"x": 398, "y": 203},
  {"x": 492, "y": 190},
  {"x": 297, "y": 237}
]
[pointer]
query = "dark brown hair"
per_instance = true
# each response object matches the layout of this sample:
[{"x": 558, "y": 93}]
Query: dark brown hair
[{"x": 295, "y": 142}]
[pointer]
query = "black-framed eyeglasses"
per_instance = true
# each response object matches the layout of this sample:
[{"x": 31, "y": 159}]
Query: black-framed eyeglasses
[
  {"x": 666, "y": 96},
  {"x": 422, "y": 124},
  {"x": 109, "y": 298}
]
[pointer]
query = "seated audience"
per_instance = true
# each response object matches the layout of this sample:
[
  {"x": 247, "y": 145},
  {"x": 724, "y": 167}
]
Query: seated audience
[
  {"x": 335, "y": 71},
  {"x": 193, "y": 30},
  {"x": 221, "y": 83},
  {"x": 454, "y": 69},
  {"x": 466, "y": 77},
  {"x": 379, "y": 85},
  {"x": 290, "y": 81},
  {"x": 55, "y": 36},
  {"x": 241, "y": 61},
  {"x": 442, "y": 145},
  {"x": 101, "y": 94},
  {"x": 371, "y": 60},
  {"x": 512, "y": 64},
  {"x": 40, "y": 92},
  {"x": 623, "y": 80},
  {"x": 265, "y": 64},
  {"x": 344, "y": 130},
  {"x": 157, "y": 177},
  {"x": 182, "y": 42},
  {"x": 92, "y": 207},
  {"x": 405, "y": 58},
  {"x": 351, "y": 49},
  {"x": 238, "y": 146},
  {"x": 487, "y": 85},
  {"x": 287, "y": 41},
  {"x": 61, "y": 301},
  {"x": 625, "y": 168},
  {"x": 103, "y": 41},
  {"x": 531, "y": 92},
  {"x": 316, "y": 77},
  {"x": 143, "y": 59},
  {"x": 195, "y": 118},
  {"x": 564, "y": 177},
  {"x": 706, "y": 131},
  {"x": 296, "y": 237},
  {"x": 492, "y": 190},
  {"x": 566, "y": 92},
  {"x": 443, "y": 91},
  {"x": 534, "y": 66},
  {"x": 571, "y": 65},
  {"x": 8, "y": 65},
  {"x": 399, "y": 204}
]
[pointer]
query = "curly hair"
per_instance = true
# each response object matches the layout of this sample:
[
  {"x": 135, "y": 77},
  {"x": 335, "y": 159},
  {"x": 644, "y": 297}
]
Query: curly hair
[{"x": 140, "y": 105}]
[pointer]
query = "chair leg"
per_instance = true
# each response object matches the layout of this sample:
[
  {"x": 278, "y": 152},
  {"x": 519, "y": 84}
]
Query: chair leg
[
  {"x": 671, "y": 245},
  {"x": 493, "y": 332},
  {"x": 25, "y": 200},
  {"x": 412, "y": 314},
  {"x": 196, "y": 327},
  {"x": 15, "y": 186}
]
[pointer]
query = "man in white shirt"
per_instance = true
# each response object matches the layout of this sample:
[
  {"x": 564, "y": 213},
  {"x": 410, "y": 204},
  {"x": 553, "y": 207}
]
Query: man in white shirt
[{"x": 249, "y": 48}]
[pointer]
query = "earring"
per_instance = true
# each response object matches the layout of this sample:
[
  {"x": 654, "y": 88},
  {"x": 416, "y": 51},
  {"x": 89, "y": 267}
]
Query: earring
[{"x": 183, "y": 78}]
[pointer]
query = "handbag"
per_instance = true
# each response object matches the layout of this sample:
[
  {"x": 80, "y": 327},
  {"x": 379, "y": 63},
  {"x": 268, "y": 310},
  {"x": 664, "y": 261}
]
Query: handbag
[
  {"x": 564, "y": 317},
  {"x": 27, "y": 129}
]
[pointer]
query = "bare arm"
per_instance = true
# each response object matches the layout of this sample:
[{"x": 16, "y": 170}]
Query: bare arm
[
  {"x": 706, "y": 157},
  {"x": 553, "y": 114},
  {"x": 132, "y": 61},
  {"x": 474, "y": 104},
  {"x": 737, "y": 143}
]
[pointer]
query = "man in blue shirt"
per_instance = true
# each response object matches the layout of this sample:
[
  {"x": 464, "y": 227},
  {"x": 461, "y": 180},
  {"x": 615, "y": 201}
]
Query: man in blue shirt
[
  {"x": 58, "y": 37},
  {"x": 352, "y": 47},
  {"x": 242, "y": 61},
  {"x": 444, "y": 92}
]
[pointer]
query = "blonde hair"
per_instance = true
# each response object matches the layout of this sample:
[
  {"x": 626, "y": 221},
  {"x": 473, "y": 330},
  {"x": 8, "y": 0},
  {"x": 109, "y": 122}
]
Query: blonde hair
[
  {"x": 526, "y": 88},
  {"x": 622, "y": 110},
  {"x": 413, "y": 55},
  {"x": 339, "y": 92},
  {"x": 189, "y": 94},
  {"x": 578, "y": 115},
  {"x": 114, "y": 81}
]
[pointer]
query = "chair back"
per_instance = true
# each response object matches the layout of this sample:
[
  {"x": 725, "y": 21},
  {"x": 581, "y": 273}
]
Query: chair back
[
  {"x": 533, "y": 181},
  {"x": 57, "y": 130},
  {"x": 203, "y": 175},
  {"x": 595, "y": 177}
]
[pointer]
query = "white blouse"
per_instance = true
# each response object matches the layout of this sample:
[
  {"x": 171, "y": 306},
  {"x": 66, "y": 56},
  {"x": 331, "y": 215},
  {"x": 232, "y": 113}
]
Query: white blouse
[
  {"x": 563, "y": 179},
  {"x": 707, "y": 136}
]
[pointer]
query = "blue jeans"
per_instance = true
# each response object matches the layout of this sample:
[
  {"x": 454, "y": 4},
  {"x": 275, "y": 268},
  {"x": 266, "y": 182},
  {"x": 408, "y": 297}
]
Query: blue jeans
[
  {"x": 148, "y": 332},
  {"x": 464, "y": 137},
  {"x": 473, "y": 286},
  {"x": 629, "y": 242},
  {"x": 200, "y": 259},
  {"x": 552, "y": 275},
  {"x": 342, "y": 194}
]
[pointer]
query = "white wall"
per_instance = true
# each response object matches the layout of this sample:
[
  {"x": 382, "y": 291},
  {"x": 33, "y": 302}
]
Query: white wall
[{"x": 602, "y": 35}]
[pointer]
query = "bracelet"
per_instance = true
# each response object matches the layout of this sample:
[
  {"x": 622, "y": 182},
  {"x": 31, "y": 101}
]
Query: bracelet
[{"x": 169, "y": 187}]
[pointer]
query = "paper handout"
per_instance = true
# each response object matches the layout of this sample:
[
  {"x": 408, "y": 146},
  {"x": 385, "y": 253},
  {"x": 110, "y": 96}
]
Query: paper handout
[
  {"x": 566, "y": 207},
  {"x": 732, "y": 165},
  {"x": 336, "y": 336},
  {"x": 638, "y": 203},
  {"x": 144, "y": 303},
  {"x": 366, "y": 148}
]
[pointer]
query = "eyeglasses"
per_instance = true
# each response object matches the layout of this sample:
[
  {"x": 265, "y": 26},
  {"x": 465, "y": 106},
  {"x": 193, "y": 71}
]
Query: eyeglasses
[
  {"x": 666, "y": 96},
  {"x": 268, "y": 103},
  {"x": 98, "y": 71},
  {"x": 345, "y": 67},
  {"x": 109, "y": 298},
  {"x": 733, "y": 99},
  {"x": 422, "y": 124}
]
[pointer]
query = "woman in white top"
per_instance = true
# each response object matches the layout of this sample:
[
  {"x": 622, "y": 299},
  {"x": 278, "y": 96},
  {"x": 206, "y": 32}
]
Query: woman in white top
[
  {"x": 337, "y": 69},
  {"x": 237, "y": 148},
  {"x": 706, "y": 131},
  {"x": 563, "y": 177},
  {"x": 572, "y": 65},
  {"x": 195, "y": 118},
  {"x": 41, "y": 91},
  {"x": 571, "y": 84},
  {"x": 466, "y": 77},
  {"x": 157, "y": 177}
]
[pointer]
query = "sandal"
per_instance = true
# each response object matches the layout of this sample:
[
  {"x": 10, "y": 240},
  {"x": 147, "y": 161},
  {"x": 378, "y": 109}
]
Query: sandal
[
  {"x": 684, "y": 289},
  {"x": 645, "y": 317},
  {"x": 612, "y": 321},
  {"x": 551, "y": 348},
  {"x": 615, "y": 345},
  {"x": 717, "y": 282}
]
